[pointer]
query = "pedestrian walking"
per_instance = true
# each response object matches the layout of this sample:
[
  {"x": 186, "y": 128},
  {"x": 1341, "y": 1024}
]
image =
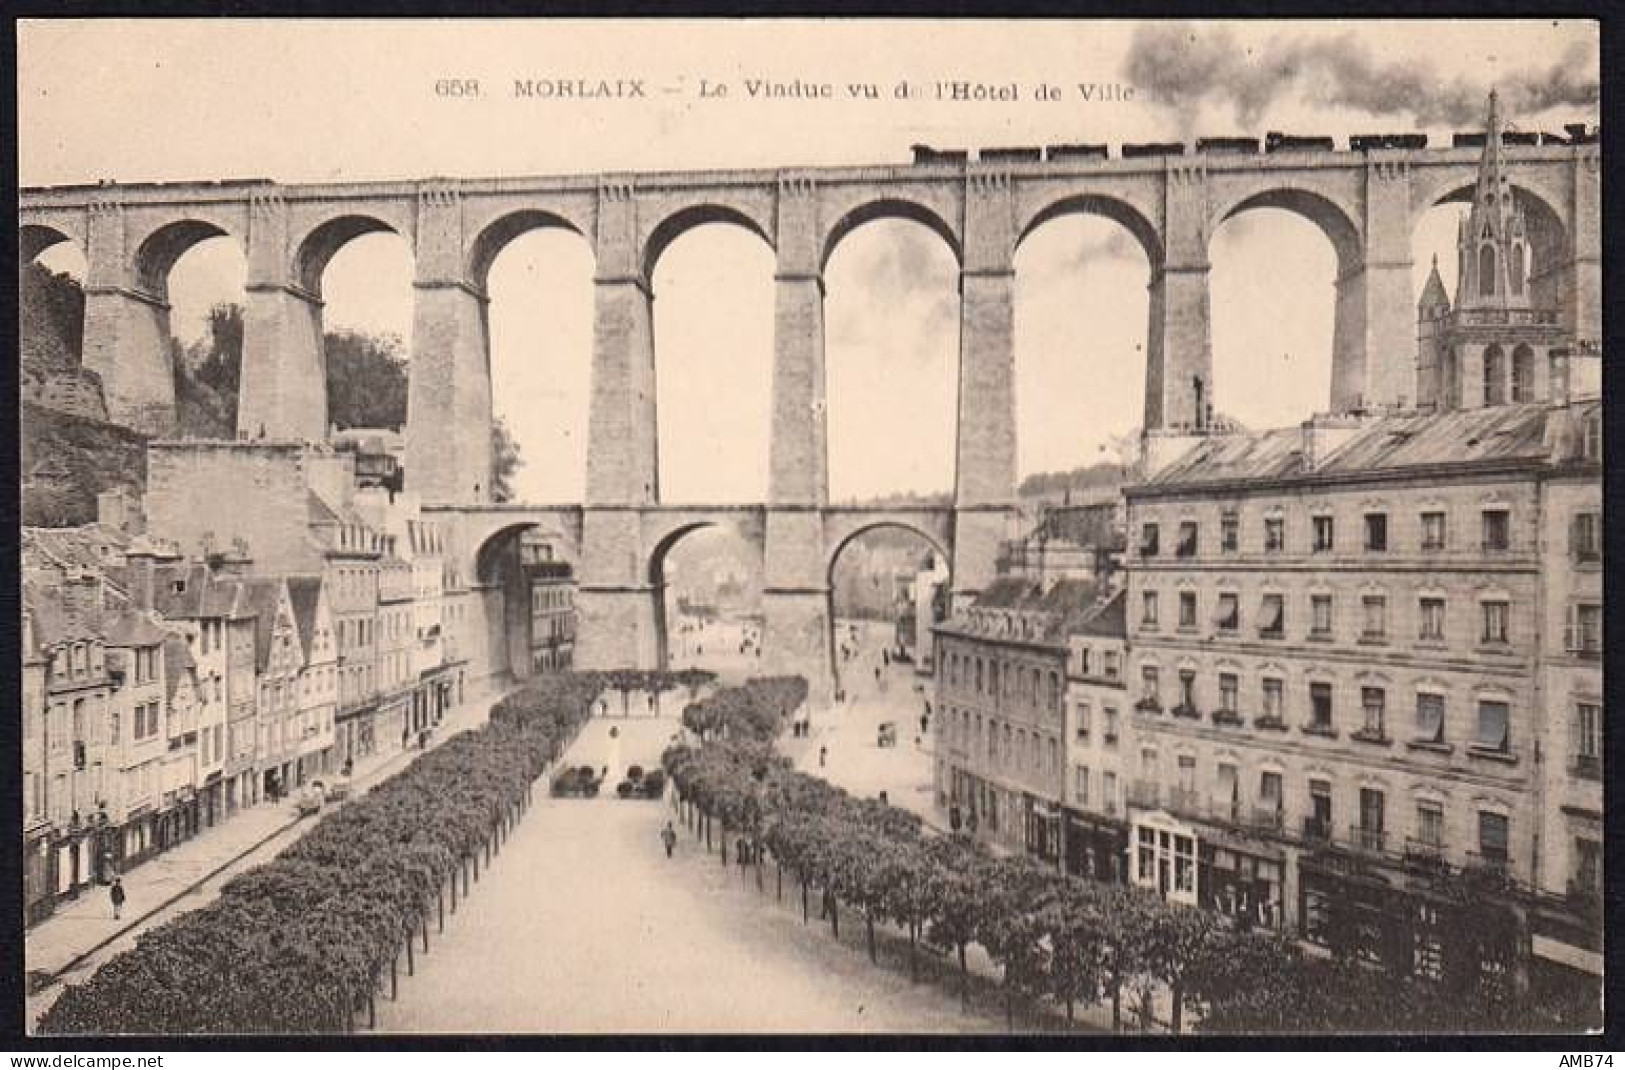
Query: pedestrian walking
[
  {"x": 823, "y": 756},
  {"x": 116, "y": 894},
  {"x": 668, "y": 836}
]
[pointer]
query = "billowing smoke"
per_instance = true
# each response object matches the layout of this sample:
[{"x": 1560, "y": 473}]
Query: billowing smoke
[{"x": 1184, "y": 66}]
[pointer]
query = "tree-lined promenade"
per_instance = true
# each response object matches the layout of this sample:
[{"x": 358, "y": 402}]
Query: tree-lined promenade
[
  {"x": 1056, "y": 940},
  {"x": 303, "y": 943}
]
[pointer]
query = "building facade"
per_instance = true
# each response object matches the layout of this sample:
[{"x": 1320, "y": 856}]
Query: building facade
[
  {"x": 1000, "y": 721},
  {"x": 1337, "y": 635}
]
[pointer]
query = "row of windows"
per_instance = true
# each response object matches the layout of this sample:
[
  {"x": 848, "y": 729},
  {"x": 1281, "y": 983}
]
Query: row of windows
[
  {"x": 1495, "y": 533},
  {"x": 1108, "y": 664},
  {"x": 1492, "y": 724},
  {"x": 1370, "y": 827},
  {"x": 1007, "y": 747},
  {"x": 211, "y": 635},
  {"x": 1495, "y": 617},
  {"x": 1037, "y": 688}
]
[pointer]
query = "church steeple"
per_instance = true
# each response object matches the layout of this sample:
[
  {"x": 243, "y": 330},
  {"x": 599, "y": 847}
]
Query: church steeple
[
  {"x": 1491, "y": 241},
  {"x": 1434, "y": 302}
]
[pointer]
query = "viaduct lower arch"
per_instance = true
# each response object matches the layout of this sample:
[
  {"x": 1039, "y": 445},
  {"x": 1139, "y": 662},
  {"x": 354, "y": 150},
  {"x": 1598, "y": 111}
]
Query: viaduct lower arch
[
  {"x": 623, "y": 624},
  {"x": 1367, "y": 202}
]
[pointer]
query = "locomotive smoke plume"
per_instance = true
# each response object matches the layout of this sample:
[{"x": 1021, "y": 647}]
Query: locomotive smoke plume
[{"x": 1178, "y": 66}]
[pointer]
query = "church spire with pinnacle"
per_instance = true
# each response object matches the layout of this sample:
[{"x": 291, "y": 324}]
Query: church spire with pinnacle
[{"x": 1491, "y": 241}]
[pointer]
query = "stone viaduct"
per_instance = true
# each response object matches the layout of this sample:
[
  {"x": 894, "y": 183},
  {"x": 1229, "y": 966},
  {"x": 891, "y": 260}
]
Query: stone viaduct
[{"x": 1367, "y": 203}]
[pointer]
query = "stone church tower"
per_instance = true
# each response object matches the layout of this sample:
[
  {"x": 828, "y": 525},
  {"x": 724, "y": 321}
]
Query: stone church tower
[{"x": 1494, "y": 346}]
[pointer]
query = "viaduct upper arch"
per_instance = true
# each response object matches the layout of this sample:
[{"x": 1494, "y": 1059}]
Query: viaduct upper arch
[{"x": 1367, "y": 202}]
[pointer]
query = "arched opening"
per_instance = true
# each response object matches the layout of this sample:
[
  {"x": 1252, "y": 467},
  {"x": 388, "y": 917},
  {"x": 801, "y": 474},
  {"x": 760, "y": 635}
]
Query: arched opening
[
  {"x": 1523, "y": 373},
  {"x": 707, "y": 580},
  {"x": 892, "y": 358},
  {"x": 1486, "y": 270},
  {"x": 1277, "y": 259},
  {"x": 1495, "y": 375},
  {"x": 538, "y": 272},
  {"x": 713, "y": 337},
  {"x": 889, "y": 583},
  {"x": 51, "y": 305},
  {"x": 361, "y": 270},
  {"x": 203, "y": 284},
  {"x": 527, "y": 582},
  {"x": 1081, "y": 316}
]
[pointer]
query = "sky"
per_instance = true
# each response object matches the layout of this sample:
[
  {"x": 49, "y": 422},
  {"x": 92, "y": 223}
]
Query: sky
[{"x": 319, "y": 101}]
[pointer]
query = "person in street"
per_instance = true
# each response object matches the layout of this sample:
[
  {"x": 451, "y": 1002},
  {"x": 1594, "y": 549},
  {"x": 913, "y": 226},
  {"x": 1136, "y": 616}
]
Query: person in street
[
  {"x": 823, "y": 756},
  {"x": 116, "y": 894},
  {"x": 668, "y": 836}
]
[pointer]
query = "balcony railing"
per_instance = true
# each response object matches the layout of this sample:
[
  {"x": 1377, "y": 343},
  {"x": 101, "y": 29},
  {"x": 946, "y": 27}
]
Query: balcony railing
[
  {"x": 1148, "y": 705},
  {"x": 1270, "y": 723},
  {"x": 1366, "y": 839},
  {"x": 1145, "y": 793},
  {"x": 1428, "y": 853},
  {"x": 1185, "y": 801},
  {"x": 1267, "y": 818},
  {"x": 1317, "y": 830},
  {"x": 1227, "y": 717},
  {"x": 1190, "y": 713},
  {"x": 1493, "y": 864}
]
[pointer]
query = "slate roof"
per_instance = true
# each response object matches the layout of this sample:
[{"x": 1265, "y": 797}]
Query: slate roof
[
  {"x": 56, "y": 621},
  {"x": 261, "y": 596},
  {"x": 178, "y": 661},
  {"x": 128, "y": 627},
  {"x": 1468, "y": 436},
  {"x": 305, "y": 594},
  {"x": 1108, "y": 620},
  {"x": 1533, "y": 433}
]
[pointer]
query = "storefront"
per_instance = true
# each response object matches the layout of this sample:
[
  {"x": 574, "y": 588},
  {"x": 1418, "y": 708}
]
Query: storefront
[
  {"x": 1347, "y": 908},
  {"x": 1096, "y": 847},
  {"x": 1041, "y": 826},
  {"x": 1165, "y": 856},
  {"x": 1241, "y": 879}
]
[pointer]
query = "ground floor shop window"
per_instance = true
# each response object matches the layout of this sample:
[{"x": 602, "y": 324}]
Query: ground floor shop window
[{"x": 1165, "y": 861}]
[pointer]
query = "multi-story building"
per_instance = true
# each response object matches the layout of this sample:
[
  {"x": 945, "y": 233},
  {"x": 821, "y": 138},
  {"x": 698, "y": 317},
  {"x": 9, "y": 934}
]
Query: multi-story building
[
  {"x": 1570, "y": 684},
  {"x": 278, "y": 661},
  {"x": 1000, "y": 722},
  {"x": 39, "y": 892},
  {"x": 240, "y": 763},
  {"x": 318, "y": 684},
  {"x": 179, "y": 807},
  {"x": 134, "y": 739},
  {"x": 194, "y": 604},
  {"x": 415, "y": 678},
  {"x": 351, "y": 552},
  {"x": 1099, "y": 744},
  {"x": 551, "y": 625},
  {"x": 65, "y": 623},
  {"x": 397, "y": 683},
  {"x": 1336, "y": 637}
]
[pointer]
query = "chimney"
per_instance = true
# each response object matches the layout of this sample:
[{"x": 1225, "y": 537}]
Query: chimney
[
  {"x": 1323, "y": 434},
  {"x": 232, "y": 562},
  {"x": 81, "y": 593}
]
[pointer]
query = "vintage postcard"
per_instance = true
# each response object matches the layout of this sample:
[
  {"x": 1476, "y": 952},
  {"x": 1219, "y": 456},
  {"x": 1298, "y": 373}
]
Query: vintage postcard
[{"x": 810, "y": 527}]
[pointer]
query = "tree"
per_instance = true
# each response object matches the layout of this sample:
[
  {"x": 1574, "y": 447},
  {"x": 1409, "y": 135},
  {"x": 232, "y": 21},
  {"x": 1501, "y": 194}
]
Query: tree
[
  {"x": 505, "y": 460},
  {"x": 366, "y": 379}
]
